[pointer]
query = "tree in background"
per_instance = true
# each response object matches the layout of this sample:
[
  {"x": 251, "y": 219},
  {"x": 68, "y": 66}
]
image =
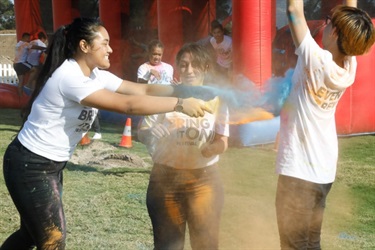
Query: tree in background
[{"x": 7, "y": 18}]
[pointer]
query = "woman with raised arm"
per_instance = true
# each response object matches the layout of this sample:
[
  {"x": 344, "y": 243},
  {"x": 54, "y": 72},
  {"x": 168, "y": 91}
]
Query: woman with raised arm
[
  {"x": 70, "y": 89},
  {"x": 308, "y": 146}
]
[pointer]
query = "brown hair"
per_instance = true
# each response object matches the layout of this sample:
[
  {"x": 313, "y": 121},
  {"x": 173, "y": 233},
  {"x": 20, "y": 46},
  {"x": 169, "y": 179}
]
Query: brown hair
[
  {"x": 201, "y": 57},
  {"x": 354, "y": 29}
]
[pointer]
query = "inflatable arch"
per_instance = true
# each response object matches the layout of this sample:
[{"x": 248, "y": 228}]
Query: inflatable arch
[{"x": 256, "y": 44}]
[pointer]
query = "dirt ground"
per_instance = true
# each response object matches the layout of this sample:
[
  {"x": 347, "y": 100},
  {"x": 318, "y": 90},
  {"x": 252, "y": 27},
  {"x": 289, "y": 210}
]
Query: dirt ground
[
  {"x": 8, "y": 41},
  {"x": 105, "y": 156}
]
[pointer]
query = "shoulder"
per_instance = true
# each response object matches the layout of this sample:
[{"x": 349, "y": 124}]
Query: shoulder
[
  {"x": 167, "y": 65},
  {"x": 144, "y": 65},
  {"x": 308, "y": 44}
]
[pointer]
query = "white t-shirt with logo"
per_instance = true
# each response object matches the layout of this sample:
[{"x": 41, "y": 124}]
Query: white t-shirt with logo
[
  {"x": 308, "y": 146},
  {"x": 223, "y": 51},
  {"x": 182, "y": 148},
  {"x": 58, "y": 121},
  {"x": 165, "y": 70}
]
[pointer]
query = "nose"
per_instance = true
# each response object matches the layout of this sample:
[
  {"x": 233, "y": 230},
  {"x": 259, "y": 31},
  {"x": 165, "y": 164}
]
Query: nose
[
  {"x": 110, "y": 50},
  {"x": 190, "y": 69}
]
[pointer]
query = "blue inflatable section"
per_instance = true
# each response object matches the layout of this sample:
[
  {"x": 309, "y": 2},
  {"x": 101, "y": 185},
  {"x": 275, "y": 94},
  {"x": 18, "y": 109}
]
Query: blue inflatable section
[{"x": 254, "y": 133}]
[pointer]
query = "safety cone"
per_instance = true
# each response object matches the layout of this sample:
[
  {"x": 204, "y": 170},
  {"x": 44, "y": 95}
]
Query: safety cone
[
  {"x": 126, "y": 140},
  {"x": 85, "y": 140}
]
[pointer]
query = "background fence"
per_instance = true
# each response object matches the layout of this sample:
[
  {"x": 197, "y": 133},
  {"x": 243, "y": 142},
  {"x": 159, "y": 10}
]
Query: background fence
[{"x": 7, "y": 74}]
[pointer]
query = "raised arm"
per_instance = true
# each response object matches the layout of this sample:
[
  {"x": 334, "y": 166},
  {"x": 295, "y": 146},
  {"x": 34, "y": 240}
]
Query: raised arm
[
  {"x": 297, "y": 21},
  {"x": 351, "y": 3}
]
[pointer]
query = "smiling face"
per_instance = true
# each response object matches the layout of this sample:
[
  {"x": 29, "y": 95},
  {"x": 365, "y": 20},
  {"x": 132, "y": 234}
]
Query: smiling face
[
  {"x": 218, "y": 34},
  {"x": 99, "y": 50},
  {"x": 155, "y": 55},
  {"x": 190, "y": 73}
]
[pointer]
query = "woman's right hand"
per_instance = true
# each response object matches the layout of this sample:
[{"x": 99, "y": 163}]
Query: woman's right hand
[
  {"x": 158, "y": 130},
  {"x": 195, "y": 107},
  {"x": 155, "y": 73}
]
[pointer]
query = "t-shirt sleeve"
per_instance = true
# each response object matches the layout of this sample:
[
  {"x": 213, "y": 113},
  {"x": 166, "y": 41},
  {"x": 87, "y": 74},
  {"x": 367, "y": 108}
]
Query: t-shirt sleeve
[
  {"x": 78, "y": 88},
  {"x": 308, "y": 47},
  {"x": 143, "y": 72},
  {"x": 222, "y": 121},
  {"x": 170, "y": 71},
  {"x": 110, "y": 80}
]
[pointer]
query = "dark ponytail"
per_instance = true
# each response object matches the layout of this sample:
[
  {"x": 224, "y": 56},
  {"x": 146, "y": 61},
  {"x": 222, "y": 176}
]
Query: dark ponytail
[
  {"x": 63, "y": 45},
  {"x": 55, "y": 57}
]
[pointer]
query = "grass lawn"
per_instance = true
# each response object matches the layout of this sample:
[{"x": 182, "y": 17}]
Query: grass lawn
[{"x": 105, "y": 208}]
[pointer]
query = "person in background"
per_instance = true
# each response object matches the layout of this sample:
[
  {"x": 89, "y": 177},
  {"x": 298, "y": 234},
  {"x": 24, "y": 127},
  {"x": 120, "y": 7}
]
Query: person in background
[
  {"x": 308, "y": 144},
  {"x": 21, "y": 51},
  {"x": 70, "y": 88},
  {"x": 96, "y": 127},
  {"x": 155, "y": 71},
  {"x": 34, "y": 57},
  {"x": 222, "y": 45},
  {"x": 185, "y": 187}
]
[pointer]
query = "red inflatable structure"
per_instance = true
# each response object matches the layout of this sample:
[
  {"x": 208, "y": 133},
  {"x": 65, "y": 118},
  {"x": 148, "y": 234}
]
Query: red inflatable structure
[
  {"x": 9, "y": 97},
  {"x": 256, "y": 43}
]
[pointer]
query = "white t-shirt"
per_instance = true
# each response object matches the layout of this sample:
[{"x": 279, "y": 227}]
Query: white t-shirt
[
  {"x": 58, "y": 121},
  {"x": 21, "y": 51},
  {"x": 33, "y": 55},
  {"x": 165, "y": 70},
  {"x": 308, "y": 147},
  {"x": 223, "y": 51},
  {"x": 182, "y": 148}
]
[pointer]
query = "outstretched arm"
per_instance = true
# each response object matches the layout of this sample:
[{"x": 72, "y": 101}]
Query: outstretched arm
[
  {"x": 297, "y": 21},
  {"x": 351, "y": 3}
]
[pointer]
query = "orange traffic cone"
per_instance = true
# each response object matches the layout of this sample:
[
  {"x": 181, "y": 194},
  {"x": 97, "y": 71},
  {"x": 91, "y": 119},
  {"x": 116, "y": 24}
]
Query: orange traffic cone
[
  {"x": 85, "y": 140},
  {"x": 126, "y": 140}
]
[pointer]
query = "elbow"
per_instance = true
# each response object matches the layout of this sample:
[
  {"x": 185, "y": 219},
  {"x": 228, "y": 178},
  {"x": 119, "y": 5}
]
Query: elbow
[{"x": 292, "y": 12}]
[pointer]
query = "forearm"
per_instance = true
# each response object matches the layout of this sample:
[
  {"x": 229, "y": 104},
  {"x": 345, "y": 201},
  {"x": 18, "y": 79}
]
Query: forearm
[
  {"x": 294, "y": 8},
  {"x": 145, "y": 136},
  {"x": 148, "y": 105},
  {"x": 351, "y": 3},
  {"x": 297, "y": 21},
  {"x": 132, "y": 88},
  {"x": 218, "y": 146},
  {"x": 130, "y": 104}
]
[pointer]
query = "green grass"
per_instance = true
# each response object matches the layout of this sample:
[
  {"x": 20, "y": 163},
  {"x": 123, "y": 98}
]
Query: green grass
[{"x": 105, "y": 209}]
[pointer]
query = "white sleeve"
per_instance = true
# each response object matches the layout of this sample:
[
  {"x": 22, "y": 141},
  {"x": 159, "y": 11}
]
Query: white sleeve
[
  {"x": 110, "y": 80},
  {"x": 143, "y": 72},
  {"x": 78, "y": 88},
  {"x": 170, "y": 71},
  {"x": 222, "y": 121}
]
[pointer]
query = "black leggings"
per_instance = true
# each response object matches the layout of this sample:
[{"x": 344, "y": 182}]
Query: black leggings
[{"x": 35, "y": 185}]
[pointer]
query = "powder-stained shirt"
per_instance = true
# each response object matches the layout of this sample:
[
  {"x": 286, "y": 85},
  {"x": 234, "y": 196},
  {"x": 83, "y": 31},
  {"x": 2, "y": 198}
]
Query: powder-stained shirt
[
  {"x": 308, "y": 146},
  {"x": 182, "y": 148},
  {"x": 165, "y": 70},
  {"x": 58, "y": 120},
  {"x": 223, "y": 51}
]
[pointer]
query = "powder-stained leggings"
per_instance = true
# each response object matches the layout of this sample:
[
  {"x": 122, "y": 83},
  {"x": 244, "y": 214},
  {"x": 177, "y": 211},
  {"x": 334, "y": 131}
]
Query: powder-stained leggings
[
  {"x": 179, "y": 197},
  {"x": 299, "y": 208},
  {"x": 35, "y": 185}
]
